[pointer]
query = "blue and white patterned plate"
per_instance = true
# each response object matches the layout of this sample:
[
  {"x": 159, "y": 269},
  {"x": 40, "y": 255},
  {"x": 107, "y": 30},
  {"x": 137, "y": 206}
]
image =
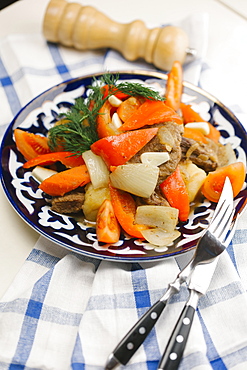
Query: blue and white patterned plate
[{"x": 23, "y": 193}]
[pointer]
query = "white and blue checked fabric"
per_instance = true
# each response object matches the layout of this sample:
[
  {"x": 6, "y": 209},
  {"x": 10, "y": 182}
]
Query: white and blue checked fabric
[{"x": 64, "y": 311}]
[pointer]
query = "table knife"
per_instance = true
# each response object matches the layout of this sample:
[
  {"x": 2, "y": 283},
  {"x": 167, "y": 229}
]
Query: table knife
[{"x": 199, "y": 283}]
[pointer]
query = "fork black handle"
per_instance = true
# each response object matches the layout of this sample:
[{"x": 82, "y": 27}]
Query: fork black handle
[
  {"x": 138, "y": 333},
  {"x": 136, "y": 336}
]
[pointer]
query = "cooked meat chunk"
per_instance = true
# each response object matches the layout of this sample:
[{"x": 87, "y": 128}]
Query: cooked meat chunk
[
  {"x": 156, "y": 199},
  {"x": 203, "y": 155},
  {"x": 168, "y": 140},
  {"x": 68, "y": 203}
]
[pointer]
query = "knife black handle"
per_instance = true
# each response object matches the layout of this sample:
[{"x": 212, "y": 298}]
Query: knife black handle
[{"x": 177, "y": 342}]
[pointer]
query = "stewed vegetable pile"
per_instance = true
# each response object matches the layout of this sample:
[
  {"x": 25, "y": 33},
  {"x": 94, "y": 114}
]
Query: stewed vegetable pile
[{"x": 130, "y": 160}]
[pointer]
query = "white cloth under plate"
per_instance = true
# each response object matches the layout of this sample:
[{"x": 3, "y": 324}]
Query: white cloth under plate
[{"x": 64, "y": 311}]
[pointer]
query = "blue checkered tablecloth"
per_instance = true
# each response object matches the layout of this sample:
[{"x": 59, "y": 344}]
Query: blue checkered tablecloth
[{"x": 64, "y": 311}]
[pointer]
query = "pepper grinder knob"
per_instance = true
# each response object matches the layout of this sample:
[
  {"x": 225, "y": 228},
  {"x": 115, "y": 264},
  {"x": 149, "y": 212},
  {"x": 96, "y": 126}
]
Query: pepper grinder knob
[{"x": 84, "y": 27}]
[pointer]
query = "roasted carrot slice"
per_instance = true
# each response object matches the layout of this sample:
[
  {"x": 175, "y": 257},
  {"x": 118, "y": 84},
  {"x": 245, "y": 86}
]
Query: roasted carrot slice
[
  {"x": 66, "y": 158},
  {"x": 174, "y": 86},
  {"x": 192, "y": 133},
  {"x": 65, "y": 181},
  {"x": 150, "y": 113},
  {"x": 214, "y": 134},
  {"x": 189, "y": 115}
]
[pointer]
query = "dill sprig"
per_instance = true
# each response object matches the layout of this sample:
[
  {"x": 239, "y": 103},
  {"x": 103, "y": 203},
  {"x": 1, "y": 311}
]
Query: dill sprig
[
  {"x": 76, "y": 131},
  {"x": 130, "y": 88}
]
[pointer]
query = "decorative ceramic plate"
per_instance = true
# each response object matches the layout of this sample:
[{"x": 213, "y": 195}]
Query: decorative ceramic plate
[{"x": 74, "y": 234}]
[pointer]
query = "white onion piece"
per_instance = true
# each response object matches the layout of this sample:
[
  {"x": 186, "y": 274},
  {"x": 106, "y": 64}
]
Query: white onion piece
[
  {"x": 136, "y": 178},
  {"x": 98, "y": 171},
  {"x": 229, "y": 154},
  {"x": 193, "y": 177},
  {"x": 93, "y": 200},
  {"x": 166, "y": 138},
  {"x": 203, "y": 127},
  {"x": 116, "y": 121},
  {"x": 42, "y": 173},
  {"x": 155, "y": 158},
  {"x": 159, "y": 236},
  {"x": 157, "y": 216},
  {"x": 114, "y": 101}
]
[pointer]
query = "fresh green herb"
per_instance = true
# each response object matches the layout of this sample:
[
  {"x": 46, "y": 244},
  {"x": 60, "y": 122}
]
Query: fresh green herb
[
  {"x": 78, "y": 131},
  {"x": 130, "y": 88}
]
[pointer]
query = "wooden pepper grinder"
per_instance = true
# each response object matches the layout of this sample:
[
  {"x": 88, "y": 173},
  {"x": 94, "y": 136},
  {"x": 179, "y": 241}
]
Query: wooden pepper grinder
[{"x": 84, "y": 27}]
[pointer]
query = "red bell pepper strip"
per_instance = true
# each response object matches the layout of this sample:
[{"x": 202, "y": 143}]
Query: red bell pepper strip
[
  {"x": 125, "y": 208},
  {"x": 118, "y": 149},
  {"x": 150, "y": 113},
  {"x": 128, "y": 107},
  {"x": 104, "y": 126},
  {"x": 66, "y": 158},
  {"x": 176, "y": 193}
]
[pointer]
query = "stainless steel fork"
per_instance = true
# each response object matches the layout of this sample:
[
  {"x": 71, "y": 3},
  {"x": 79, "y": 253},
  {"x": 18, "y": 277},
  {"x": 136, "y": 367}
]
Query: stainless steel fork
[
  {"x": 219, "y": 236},
  {"x": 207, "y": 249}
]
